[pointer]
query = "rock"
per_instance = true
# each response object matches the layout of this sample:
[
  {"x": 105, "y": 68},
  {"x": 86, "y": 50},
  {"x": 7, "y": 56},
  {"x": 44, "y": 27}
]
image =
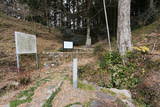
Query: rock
[
  {"x": 85, "y": 82},
  {"x": 122, "y": 93},
  {"x": 15, "y": 83},
  {"x": 97, "y": 104},
  {"x": 6, "y": 105},
  {"x": 76, "y": 105},
  {"x": 23, "y": 98},
  {"x": 52, "y": 65},
  {"x": 106, "y": 100},
  {"x": 128, "y": 103}
]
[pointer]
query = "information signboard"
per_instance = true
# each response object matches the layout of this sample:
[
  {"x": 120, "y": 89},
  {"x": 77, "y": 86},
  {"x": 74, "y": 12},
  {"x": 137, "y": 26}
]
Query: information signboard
[
  {"x": 68, "y": 45},
  {"x": 25, "y": 43}
]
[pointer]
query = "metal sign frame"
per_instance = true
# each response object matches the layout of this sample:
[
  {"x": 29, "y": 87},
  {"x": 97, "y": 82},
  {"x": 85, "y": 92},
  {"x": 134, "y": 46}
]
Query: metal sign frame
[{"x": 18, "y": 53}]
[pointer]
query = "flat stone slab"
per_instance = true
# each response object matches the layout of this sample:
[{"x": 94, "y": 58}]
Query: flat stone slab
[
  {"x": 6, "y": 105},
  {"x": 76, "y": 105},
  {"x": 97, "y": 104}
]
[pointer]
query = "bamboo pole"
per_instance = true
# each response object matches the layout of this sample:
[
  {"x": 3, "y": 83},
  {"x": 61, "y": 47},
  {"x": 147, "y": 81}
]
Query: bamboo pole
[{"x": 107, "y": 26}]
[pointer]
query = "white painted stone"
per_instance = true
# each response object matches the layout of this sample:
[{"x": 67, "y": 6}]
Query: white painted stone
[{"x": 52, "y": 65}]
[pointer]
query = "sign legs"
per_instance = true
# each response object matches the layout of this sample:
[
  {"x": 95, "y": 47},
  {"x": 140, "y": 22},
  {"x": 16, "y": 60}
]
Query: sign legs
[
  {"x": 18, "y": 65},
  {"x": 37, "y": 61}
]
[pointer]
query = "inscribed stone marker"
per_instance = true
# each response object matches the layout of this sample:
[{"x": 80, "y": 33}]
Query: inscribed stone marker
[{"x": 75, "y": 75}]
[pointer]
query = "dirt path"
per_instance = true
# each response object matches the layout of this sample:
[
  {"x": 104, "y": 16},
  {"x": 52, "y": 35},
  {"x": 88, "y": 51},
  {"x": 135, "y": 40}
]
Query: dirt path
[
  {"x": 69, "y": 95},
  {"x": 44, "y": 91}
]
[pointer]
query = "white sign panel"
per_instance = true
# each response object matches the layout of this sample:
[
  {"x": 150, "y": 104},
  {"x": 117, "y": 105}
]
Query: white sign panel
[
  {"x": 25, "y": 43},
  {"x": 68, "y": 45}
]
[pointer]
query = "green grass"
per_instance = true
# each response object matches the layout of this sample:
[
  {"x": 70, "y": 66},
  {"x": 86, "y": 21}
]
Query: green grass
[
  {"x": 48, "y": 103},
  {"x": 140, "y": 103},
  {"x": 147, "y": 29},
  {"x": 73, "y": 104},
  {"x": 87, "y": 104},
  {"x": 107, "y": 91},
  {"x": 85, "y": 86},
  {"x": 27, "y": 94}
]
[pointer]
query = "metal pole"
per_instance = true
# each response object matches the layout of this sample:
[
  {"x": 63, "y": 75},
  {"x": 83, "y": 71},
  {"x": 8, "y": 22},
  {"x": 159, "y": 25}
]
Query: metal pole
[
  {"x": 106, "y": 17},
  {"x": 18, "y": 65}
]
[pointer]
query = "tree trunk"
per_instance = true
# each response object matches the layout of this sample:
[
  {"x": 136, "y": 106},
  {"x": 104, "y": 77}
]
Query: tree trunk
[
  {"x": 151, "y": 4},
  {"x": 88, "y": 39},
  {"x": 123, "y": 29}
]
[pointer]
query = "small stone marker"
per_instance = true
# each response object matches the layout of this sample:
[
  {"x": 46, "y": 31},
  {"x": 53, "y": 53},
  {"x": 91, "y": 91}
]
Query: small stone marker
[{"x": 75, "y": 75}]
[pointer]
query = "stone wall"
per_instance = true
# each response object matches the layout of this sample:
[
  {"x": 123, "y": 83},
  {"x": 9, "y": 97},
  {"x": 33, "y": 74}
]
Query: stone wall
[{"x": 57, "y": 58}]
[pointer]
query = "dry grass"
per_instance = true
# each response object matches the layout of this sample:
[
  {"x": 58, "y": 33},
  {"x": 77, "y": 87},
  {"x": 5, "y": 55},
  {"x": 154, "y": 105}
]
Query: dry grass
[
  {"x": 148, "y": 35},
  {"x": 46, "y": 39}
]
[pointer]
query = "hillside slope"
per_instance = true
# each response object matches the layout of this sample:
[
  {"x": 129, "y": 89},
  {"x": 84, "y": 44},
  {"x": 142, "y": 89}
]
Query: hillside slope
[
  {"x": 46, "y": 39},
  {"x": 148, "y": 36},
  {"x": 51, "y": 40}
]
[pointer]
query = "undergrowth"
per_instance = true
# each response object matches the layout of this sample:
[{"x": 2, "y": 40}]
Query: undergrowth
[
  {"x": 85, "y": 86},
  {"x": 116, "y": 71},
  {"x": 122, "y": 75}
]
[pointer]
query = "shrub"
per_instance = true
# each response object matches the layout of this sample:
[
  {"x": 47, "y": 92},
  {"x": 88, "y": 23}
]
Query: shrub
[
  {"x": 25, "y": 80},
  {"x": 122, "y": 76}
]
